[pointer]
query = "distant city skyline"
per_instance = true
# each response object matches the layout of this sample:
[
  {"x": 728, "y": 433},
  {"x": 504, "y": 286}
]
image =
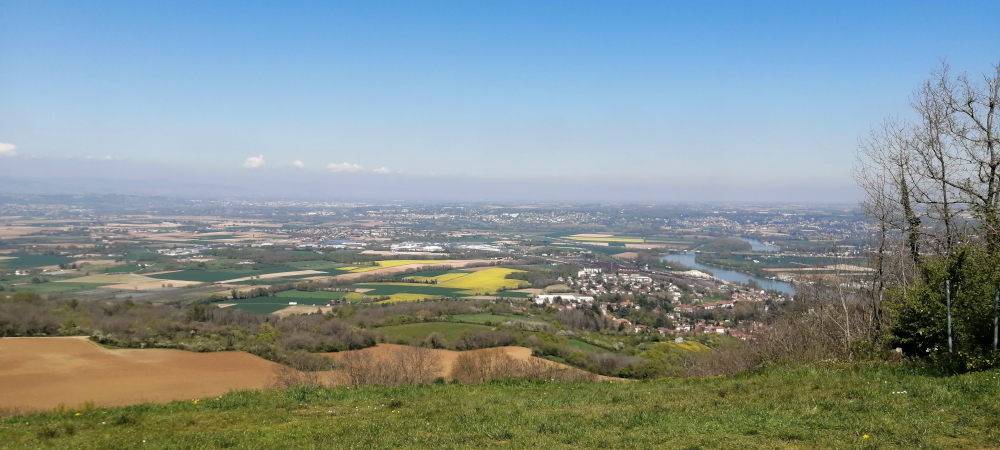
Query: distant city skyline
[{"x": 534, "y": 101}]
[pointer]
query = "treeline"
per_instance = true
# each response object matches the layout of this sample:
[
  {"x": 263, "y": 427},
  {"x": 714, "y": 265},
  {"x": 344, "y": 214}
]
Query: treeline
[
  {"x": 540, "y": 278},
  {"x": 296, "y": 340},
  {"x": 198, "y": 327}
]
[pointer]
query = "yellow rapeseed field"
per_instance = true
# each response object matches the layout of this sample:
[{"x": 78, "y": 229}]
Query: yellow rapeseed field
[
  {"x": 483, "y": 281},
  {"x": 439, "y": 278}
]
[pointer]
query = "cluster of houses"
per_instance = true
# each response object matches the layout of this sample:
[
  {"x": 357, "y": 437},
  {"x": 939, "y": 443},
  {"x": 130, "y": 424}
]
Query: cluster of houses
[
  {"x": 591, "y": 282},
  {"x": 182, "y": 251},
  {"x": 438, "y": 247}
]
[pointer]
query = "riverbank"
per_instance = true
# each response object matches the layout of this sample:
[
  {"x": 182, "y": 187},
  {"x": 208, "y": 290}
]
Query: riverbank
[{"x": 689, "y": 259}]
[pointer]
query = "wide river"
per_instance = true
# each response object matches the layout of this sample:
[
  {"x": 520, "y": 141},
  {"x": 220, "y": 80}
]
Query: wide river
[{"x": 688, "y": 259}]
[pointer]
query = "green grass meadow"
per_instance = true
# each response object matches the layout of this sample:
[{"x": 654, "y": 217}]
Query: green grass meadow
[
  {"x": 833, "y": 407},
  {"x": 408, "y": 288},
  {"x": 491, "y": 318},
  {"x": 268, "y": 305},
  {"x": 421, "y": 330},
  {"x": 27, "y": 261},
  {"x": 315, "y": 295},
  {"x": 56, "y": 288}
]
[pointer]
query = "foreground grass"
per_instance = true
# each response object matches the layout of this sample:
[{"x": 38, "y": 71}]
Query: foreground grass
[{"x": 798, "y": 407}]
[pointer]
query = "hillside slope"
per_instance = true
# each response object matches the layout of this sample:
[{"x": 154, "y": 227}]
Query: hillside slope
[{"x": 792, "y": 407}]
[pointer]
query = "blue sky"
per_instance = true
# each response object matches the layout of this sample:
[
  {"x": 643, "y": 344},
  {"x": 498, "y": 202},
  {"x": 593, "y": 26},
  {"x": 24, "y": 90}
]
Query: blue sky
[{"x": 670, "y": 96}]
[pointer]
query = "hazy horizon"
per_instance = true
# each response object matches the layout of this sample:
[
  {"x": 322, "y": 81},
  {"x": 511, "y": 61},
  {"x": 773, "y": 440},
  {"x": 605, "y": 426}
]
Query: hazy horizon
[{"x": 513, "y": 101}]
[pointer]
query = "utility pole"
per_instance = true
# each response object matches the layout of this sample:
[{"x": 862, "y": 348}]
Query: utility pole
[{"x": 947, "y": 297}]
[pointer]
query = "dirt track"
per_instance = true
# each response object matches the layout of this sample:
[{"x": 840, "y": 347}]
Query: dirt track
[{"x": 41, "y": 373}]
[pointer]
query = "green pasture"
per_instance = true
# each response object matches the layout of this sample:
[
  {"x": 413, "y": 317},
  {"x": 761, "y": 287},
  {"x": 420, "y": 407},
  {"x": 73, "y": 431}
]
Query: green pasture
[
  {"x": 56, "y": 288},
  {"x": 801, "y": 407},
  {"x": 428, "y": 273},
  {"x": 267, "y": 305},
  {"x": 421, "y": 330},
  {"x": 408, "y": 288},
  {"x": 491, "y": 318},
  {"x": 315, "y": 295},
  {"x": 27, "y": 260},
  {"x": 315, "y": 265},
  {"x": 585, "y": 346}
]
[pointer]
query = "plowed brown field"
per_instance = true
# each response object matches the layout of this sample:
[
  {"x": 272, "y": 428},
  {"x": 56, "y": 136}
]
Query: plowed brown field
[{"x": 41, "y": 373}]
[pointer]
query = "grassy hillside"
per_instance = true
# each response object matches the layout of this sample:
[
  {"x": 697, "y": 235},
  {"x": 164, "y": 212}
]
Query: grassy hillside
[{"x": 794, "y": 407}]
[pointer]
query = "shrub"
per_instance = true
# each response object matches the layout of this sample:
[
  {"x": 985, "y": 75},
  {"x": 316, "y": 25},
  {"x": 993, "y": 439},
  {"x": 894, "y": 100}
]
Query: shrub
[
  {"x": 391, "y": 366},
  {"x": 495, "y": 363}
]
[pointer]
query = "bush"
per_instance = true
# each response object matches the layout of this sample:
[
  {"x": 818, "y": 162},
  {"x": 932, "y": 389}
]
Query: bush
[
  {"x": 391, "y": 366},
  {"x": 494, "y": 364}
]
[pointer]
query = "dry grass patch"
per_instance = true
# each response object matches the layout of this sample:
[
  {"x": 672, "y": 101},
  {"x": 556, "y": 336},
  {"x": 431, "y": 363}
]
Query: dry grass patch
[{"x": 494, "y": 363}]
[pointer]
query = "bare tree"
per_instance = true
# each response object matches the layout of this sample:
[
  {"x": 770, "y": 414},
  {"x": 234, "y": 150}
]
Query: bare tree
[{"x": 933, "y": 185}]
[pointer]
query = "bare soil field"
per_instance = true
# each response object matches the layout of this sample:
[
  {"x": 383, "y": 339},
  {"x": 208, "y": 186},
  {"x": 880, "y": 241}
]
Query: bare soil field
[
  {"x": 626, "y": 255},
  {"x": 41, "y": 373},
  {"x": 272, "y": 275},
  {"x": 38, "y": 374},
  {"x": 18, "y": 231}
]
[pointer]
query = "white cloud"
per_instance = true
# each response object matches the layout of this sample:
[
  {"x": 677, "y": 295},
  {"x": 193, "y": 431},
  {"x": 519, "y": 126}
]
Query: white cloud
[
  {"x": 8, "y": 149},
  {"x": 254, "y": 162},
  {"x": 298, "y": 164},
  {"x": 344, "y": 167},
  {"x": 382, "y": 170}
]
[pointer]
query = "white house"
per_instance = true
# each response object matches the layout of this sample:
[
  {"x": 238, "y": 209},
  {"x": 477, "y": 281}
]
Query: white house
[{"x": 546, "y": 298}]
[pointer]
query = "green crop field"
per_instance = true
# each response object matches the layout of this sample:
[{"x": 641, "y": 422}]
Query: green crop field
[
  {"x": 408, "y": 288},
  {"x": 27, "y": 261},
  {"x": 316, "y": 265},
  {"x": 427, "y": 273},
  {"x": 491, "y": 318},
  {"x": 421, "y": 330},
  {"x": 267, "y": 305},
  {"x": 315, "y": 295},
  {"x": 56, "y": 288},
  {"x": 512, "y": 294},
  {"x": 813, "y": 407},
  {"x": 585, "y": 346}
]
